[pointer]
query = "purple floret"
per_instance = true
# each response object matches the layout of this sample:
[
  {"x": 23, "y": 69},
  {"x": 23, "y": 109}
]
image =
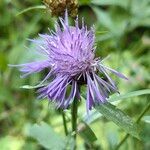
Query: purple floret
[{"x": 70, "y": 52}]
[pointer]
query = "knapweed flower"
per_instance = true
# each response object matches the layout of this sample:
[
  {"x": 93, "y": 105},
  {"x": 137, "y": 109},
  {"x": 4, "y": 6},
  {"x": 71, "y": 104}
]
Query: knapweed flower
[{"x": 70, "y": 59}]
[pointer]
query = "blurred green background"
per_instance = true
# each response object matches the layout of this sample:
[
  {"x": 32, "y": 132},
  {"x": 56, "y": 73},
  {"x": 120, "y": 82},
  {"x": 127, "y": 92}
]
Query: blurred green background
[{"x": 126, "y": 41}]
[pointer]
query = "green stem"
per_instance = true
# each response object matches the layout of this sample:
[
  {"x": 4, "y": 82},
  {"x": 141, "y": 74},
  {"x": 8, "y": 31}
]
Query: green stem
[
  {"x": 74, "y": 119},
  {"x": 138, "y": 119},
  {"x": 64, "y": 123}
]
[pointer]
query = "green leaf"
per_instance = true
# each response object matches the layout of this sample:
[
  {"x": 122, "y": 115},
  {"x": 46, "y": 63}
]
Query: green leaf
[
  {"x": 84, "y": 2},
  {"x": 101, "y": 32},
  {"x": 94, "y": 115},
  {"x": 47, "y": 137},
  {"x": 119, "y": 118},
  {"x": 31, "y": 87},
  {"x": 91, "y": 117},
  {"x": 86, "y": 132},
  {"x": 70, "y": 144},
  {"x": 138, "y": 18},
  {"x": 31, "y": 8},
  {"x": 123, "y": 4},
  {"x": 146, "y": 119},
  {"x": 115, "y": 25},
  {"x": 129, "y": 95}
]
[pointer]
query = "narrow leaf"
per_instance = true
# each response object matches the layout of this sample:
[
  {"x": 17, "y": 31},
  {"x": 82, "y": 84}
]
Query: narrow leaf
[
  {"x": 123, "y": 4},
  {"x": 32, "y": 87},
  {"x": 101, "y": 32},
  {"x": 94, "y": 115},
  {"x": 146, "y": 119},
  {"x": 47, "y": 137},
  {"x": 86, "y": 132},
  {"x": 91, "y": 117},
  {"x": 31, "y": 8},
  {"x": 119, "y": 118},
  {"x": 129, "y": 95}
]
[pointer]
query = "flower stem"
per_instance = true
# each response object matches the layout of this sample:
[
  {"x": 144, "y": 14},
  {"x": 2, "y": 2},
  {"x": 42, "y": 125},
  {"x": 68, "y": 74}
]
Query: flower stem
[
  {"x": 138, "y": 119},
  {"x": 74, "y": 119},
  {"x": 65, "y": 123}
]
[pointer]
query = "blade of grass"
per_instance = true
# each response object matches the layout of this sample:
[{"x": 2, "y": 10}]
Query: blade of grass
[
  {"x": 129, "y": 95},
  {"x": 31, "y": 8}
]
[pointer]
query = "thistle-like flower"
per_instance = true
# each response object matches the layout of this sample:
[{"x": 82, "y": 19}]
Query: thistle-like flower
[{"x": 70, "y": 59}]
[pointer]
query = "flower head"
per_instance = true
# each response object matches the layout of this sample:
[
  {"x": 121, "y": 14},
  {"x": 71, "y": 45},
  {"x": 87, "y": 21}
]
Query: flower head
[{"x": 70, "y": 58}]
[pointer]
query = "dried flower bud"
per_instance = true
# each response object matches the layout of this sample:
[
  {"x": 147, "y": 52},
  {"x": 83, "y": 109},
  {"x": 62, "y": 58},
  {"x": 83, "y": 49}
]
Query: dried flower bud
[{"x": 58, "y": 7}]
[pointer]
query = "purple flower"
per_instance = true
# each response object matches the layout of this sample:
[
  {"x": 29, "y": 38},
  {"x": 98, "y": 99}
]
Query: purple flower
[{"x": 70, "y": 59}]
